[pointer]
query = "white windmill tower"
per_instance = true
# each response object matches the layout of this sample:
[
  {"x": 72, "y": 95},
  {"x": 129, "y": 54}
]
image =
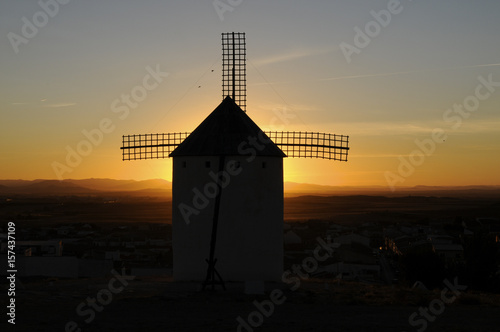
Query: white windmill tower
[{"x": 227, "y": 183}]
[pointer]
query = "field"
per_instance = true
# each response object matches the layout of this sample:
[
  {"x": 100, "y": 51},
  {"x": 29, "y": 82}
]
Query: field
[
  {"x": 160, "y": 304},
  {"x": 124, "y": 208}
]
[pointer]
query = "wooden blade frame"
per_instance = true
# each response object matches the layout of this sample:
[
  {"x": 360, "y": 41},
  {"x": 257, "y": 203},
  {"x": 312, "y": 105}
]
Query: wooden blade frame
[
  {"x": 150, "y": 146},
  {"x": 234, "y": 69},
  {"x": 295, "y": 144},
  {"x": 298, "y": 144}
]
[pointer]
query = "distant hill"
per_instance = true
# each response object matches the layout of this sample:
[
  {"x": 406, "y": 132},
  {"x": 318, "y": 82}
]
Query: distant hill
[
  {"x": 17, "y": 183},
  {"x": 86, "y": 186},
  {"x": 296, "y": 189},
  {"x": 54, "y": 187},
  {"x": 123, "y": 185},
  {"x": 160, "y": 187},
  {"x": 46, "y": 187}
]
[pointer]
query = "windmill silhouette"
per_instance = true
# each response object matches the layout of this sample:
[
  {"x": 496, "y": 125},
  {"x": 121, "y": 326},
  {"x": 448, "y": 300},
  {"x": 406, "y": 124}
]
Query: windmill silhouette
[{"x": 228, "y": 171}]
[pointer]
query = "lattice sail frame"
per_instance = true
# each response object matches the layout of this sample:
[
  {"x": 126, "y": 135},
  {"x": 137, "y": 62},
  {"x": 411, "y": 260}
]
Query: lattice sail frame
[
  {"x": 150, "y": 146},
  {"x": 295, "y": 144},
  {"x": 234, "y": 70},
  {"x": 298, "y": 144}
]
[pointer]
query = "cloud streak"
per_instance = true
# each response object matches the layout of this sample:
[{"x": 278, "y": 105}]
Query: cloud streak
[
  {"x": 416, "y": 129},
  {"x": 52, "y": 105},
  {"x": 406, "y": 72},
  {"x": 397, "y": 73},
  {"x": 59, "y": 105},
  {"x": 289, "y": 56}
]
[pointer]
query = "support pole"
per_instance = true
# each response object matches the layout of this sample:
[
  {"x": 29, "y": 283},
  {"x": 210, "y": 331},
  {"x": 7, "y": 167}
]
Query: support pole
[
  {"x": 234, "y": 70},
  {"x": 213, "y": 277}
]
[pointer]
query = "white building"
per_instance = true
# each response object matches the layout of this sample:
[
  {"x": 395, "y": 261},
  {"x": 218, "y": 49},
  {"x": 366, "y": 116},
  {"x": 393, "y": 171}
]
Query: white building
[{"x": 249, "y": 241}]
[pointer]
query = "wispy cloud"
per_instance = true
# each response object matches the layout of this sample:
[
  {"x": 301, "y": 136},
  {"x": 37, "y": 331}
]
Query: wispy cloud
[
  {"x": 406, "y": 72},
  {"x": 288, "y": 56},
  {"x": 470, "y": 126},
  {"x": 479, "y": 126},
  {"x": 282, "y": 107},
  {"x": 350, "y": 77},
  {"x": 477, "y": 147},
  {"x": 381, "y": 155},
  {"x": 385, "y": 128},
  {"x": 43, "y": 104},
  {"x": 59, "y": 105}
]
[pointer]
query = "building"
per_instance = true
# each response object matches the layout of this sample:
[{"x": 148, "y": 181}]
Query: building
[
  {"x": 450, "y": 253},
  {"x": 230, "y": 149}
]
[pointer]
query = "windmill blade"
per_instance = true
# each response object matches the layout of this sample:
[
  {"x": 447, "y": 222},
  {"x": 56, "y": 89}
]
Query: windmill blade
[
  {"x": 295, "y": 144},
  {"x": 150, "y": 146},
  {"x": 234, "y": 68},
  {"x": 298, "y": 144}
]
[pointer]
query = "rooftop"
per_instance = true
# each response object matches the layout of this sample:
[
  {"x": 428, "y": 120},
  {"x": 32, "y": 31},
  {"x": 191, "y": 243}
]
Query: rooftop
[{"x": 224, "y": 132}]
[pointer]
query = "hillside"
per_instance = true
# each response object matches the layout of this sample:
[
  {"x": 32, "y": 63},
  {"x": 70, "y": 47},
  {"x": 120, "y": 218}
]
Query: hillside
[
  {"x": 81, "y": 187},
  {"x": 160, "y": 187}
]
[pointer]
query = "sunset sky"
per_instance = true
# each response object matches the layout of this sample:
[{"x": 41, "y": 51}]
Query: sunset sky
[{"x": 384, "y": 72}]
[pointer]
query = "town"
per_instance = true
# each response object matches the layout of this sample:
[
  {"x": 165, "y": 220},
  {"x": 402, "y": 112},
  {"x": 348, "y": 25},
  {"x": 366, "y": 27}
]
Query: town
[{"x": 377, "y": 240}]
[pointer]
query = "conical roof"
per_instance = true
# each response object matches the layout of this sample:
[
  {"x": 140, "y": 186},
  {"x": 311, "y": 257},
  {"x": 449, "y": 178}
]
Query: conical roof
[{"x": 223, "y": 131}]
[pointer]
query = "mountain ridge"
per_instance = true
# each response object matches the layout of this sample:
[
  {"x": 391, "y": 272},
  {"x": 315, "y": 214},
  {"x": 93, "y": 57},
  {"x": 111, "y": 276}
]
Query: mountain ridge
[
  {"x": 160, "y": 186},
  {"x": 81, "y": 186}
]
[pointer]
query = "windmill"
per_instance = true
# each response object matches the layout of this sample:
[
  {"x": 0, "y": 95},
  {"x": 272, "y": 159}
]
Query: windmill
[{"x": 227, "y": 183}]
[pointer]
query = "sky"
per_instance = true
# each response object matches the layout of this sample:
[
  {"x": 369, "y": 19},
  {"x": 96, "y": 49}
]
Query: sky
[{"x": 414, "y": 83}]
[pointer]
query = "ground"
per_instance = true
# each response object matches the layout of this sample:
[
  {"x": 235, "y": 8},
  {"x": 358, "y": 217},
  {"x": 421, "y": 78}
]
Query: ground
[{"x": 160, "y": 304}]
